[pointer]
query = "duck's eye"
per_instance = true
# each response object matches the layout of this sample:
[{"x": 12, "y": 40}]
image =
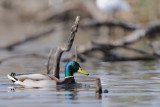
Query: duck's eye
[
  {"x": 74, "y": 64},
  {"x": 70, "y": 67}
]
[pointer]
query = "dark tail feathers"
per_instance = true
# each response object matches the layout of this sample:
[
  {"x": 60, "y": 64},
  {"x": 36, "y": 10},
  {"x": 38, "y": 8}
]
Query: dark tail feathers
[{"x": 12, "y": 77}]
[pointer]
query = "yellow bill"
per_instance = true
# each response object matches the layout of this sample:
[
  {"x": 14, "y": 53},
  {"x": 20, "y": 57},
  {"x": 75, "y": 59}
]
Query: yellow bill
[{"x": 83, "y": 72}]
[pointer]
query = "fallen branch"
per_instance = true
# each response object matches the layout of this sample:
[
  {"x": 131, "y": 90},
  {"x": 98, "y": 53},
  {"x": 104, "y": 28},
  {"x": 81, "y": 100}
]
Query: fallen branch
[
  {"x": 64, "y": 48},
  {"x": 135, "y": 36},
  {"x": 114, "y": 23},
  {"x": 108, "y": 55},
  {"x": 139, "y": 34},
  {"x": 29, "y": 38},
  {"x": 135, "y": 50}
]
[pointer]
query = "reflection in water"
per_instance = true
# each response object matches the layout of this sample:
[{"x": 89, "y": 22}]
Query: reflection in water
[
  {"x": 66, "y": 87},
  {"x": 71, "y": 95}
]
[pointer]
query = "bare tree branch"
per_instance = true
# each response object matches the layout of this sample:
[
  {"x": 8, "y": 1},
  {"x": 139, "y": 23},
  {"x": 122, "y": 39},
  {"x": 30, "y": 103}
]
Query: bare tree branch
[
  {"x": 106, "y": 49},
  {"x": 114, "y": 23},
  {"x": 48, "y": 60},
  {"x": 139, "y": 34},
  {"x": 64, "y": 48}
]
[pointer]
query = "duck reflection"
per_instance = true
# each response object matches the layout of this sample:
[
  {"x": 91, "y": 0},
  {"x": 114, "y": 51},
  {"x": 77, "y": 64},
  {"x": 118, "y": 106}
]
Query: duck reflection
[
  {"x": 58, "y": 88},
  {"x": 67, "y": 92},
  {"x": 71, "y": 95}
]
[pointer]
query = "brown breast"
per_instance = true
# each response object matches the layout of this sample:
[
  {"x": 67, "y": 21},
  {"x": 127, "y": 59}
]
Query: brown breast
[{"x": 69, "y": 80}]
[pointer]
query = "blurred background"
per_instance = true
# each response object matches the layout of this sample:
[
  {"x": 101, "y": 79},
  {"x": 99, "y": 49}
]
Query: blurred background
[
  {"x": 110, "y": 31},
  {"x": 35, "y": 26}
]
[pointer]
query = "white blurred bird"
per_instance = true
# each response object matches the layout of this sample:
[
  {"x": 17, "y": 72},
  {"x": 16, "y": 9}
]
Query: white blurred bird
[
  {"x": 52, "y": 3},
  {"x": 112, "y": 6}
]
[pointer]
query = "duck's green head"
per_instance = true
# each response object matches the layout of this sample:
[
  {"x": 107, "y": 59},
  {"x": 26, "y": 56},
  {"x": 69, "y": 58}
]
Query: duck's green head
[{"x": 73, "y": 67}]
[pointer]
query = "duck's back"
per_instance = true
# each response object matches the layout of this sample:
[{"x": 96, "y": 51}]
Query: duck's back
[
  {"x": 36, "y": 77},
  {"x": 33, "y": 80}
]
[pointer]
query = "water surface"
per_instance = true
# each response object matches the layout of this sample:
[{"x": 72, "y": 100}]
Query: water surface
[{"x": 130, "y": 84}]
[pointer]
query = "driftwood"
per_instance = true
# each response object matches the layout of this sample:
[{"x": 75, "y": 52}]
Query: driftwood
[
  {"x": 107, "y": 49},
  {"x": 138, "y": 33},
  {"x": 64, "y": 48},
  {"x": 98, "y": 86},
  {"x": 28, "y": 38}
]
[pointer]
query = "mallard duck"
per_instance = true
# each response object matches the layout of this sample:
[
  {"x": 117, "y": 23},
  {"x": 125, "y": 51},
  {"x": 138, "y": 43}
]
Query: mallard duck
[{"x": 46, "y": 80}]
